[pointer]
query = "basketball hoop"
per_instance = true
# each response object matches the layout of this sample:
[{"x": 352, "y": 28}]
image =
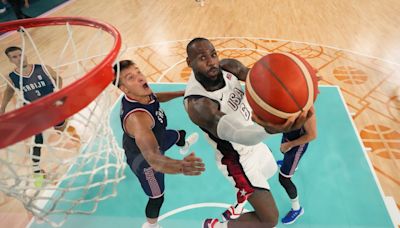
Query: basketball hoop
[
  {"x": 84, "y": 165},
  {"x": 32, "y": 119}
]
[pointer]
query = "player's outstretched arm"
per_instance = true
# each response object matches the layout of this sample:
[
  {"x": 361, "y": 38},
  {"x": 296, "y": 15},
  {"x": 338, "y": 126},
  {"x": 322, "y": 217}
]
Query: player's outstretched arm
[
  {"x": 205, "y": 113},
  {"x": 139, "y": 125},
  {"x": 311, "y": 133},
  {"x": 57, "y": 79},
  {"x": 167, "y": 96},
  {"x": 235, "y": 67},
  {"x": 291, "y": 124},
  {"x": 8, "y": 94}
]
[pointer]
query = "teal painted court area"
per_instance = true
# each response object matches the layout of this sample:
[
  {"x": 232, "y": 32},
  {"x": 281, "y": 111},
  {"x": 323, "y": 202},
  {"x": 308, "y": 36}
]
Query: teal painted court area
[
  {"x": 36, "y": 8},
  {"x": 334, "y": 181}
]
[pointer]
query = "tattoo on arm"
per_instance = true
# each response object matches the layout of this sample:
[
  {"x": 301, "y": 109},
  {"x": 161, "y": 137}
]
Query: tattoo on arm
[
  {"x": 235, "y": 67},
  {"x": 205, "y": 113}
]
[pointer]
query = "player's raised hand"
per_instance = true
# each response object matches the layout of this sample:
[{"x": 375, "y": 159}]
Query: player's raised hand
[
  {"x": 291, "y": 124},
  {"x": 192, "y": 165}
]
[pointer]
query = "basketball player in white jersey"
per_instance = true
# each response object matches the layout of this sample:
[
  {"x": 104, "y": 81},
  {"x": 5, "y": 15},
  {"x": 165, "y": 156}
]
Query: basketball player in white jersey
[{"x": 215, "y": 101}]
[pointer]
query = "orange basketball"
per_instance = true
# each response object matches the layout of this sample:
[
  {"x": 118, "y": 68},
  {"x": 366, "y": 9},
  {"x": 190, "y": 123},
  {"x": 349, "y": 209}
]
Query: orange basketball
[{"x": 280, "y": 85}]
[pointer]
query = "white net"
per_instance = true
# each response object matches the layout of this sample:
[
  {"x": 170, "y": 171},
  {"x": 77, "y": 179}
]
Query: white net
[{"x": 67, "y": 169}]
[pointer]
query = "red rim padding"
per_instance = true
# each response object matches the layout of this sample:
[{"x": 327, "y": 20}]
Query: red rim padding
[{"x": 45, "y": 113}]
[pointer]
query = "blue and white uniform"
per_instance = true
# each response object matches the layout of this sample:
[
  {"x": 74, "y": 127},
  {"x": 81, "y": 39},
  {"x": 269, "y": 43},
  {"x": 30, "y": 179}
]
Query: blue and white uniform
[
  {"x": 34, "y": 86},
  {"x": 152, "y": 181},
  {"x": 292, "y": 158}
]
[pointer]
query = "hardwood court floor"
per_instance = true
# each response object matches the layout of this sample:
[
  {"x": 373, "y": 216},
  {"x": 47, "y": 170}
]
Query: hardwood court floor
[{"x": 363, "y": 26}]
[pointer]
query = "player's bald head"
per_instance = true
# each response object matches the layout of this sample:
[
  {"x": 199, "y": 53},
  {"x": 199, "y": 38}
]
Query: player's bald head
[{"x": 191, "y": 48}]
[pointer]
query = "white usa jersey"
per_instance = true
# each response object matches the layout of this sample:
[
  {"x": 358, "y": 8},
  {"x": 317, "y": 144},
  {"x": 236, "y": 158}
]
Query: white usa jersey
[
  {"x": 231, "y": 99},
  {"x": 247, "y": 167}
]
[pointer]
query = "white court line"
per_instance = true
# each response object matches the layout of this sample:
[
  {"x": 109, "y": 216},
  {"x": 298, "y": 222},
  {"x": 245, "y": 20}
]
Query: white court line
[
  {"x": 170, "y": 68},
  {"x": 194, "y": 206},
  {"x": 391, "y": 203},
  {"x": 389, "y": 209},
  {"x": 266, "y": 38}
]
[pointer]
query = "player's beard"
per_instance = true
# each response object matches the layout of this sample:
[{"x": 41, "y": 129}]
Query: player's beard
[{"x": 209, "y": 83}]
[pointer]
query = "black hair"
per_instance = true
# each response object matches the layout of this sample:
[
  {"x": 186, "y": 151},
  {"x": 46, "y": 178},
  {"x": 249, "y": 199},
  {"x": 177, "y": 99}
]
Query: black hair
[{"x": 11, "y": 49}]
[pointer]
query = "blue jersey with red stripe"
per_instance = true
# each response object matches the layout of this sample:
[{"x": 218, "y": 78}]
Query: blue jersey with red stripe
[
  {"x": 37, "y": 84},
  {"x": 292, "y": 157},
  {"x": 129, "y": 106}
]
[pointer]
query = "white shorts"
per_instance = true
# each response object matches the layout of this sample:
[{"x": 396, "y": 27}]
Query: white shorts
[{"x": 247, "y": 167}]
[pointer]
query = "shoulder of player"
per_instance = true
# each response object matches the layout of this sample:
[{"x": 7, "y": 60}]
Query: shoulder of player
[
  {"x": 204, "y": 112},
  {"x": 48, "y": 70},
  {"x": 8, "y": 78},
  {"x": 200, "y": 101},
  {"x": 139, "y": 115},
  {"x": 13, "y": 72},
  {"x": 137, "y": 123},
  {"x": 41, "y": 66},
  {"x": 234, "y": 67},
  {"x": 139, "y": 118},
  {"x": 229, "y": 65},
  {"x": 202, "y": 108},
  {"x": 10, "y": 83}
]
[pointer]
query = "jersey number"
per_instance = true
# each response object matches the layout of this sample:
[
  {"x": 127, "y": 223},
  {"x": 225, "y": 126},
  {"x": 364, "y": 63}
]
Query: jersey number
[
  {"x": 245, "y": 112},
  {"x": 38, "y": 93}
]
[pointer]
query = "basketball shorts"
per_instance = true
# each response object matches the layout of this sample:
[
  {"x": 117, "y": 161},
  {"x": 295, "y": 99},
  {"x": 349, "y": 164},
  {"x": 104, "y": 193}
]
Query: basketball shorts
[
  {"x": 247, "y": 169},
  {"x": 291, "y": 160},
  {"x": 152, "y": 182}
]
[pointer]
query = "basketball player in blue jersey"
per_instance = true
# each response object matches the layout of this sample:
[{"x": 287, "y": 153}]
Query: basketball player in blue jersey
[
  {"x": 294, "y": 145},
  {"x": 215, "y": 101},
  {"x": 37, "y": 81},
  {"x": 146, "y": 137}
]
